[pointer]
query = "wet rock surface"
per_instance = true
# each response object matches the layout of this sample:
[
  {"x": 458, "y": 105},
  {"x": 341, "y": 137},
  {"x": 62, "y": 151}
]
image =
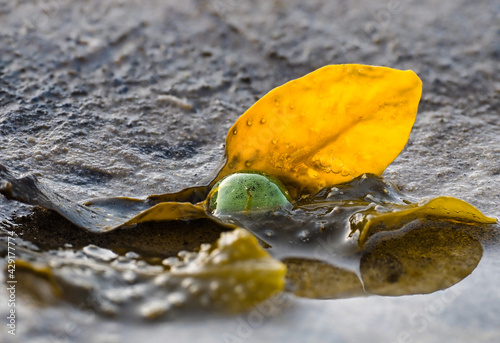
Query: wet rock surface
[{"x": 132, "y": 98}]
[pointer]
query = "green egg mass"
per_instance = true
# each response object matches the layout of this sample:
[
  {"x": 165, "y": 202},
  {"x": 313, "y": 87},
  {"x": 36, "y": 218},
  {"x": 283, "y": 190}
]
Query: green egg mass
[{"x": 247, "y": 192}]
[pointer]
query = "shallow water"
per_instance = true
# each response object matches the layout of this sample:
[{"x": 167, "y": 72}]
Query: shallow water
[
  {"x": 356, "y": 239},
  {"x": 102, "y": 103}
]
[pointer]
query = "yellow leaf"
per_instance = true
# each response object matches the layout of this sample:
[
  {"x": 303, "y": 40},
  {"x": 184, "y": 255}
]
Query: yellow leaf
[
  {"x": 327, "y": 127},
  {"x": 442, "y": 208},
  {"x": 245, "y": 274},
  {"x": 169, "y": 211}
]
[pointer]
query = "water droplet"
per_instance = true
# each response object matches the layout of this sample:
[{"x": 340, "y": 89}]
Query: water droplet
[
  {"x": 288, "y": 146},
  {"x": 263, "y": 121},
  {"x": 248, "y": 164},
  {"x": 304, "y": 235},
  {"x": 325, "y": 161},
  {"x": 176, "y": 298},
  {"x": 336, "y": 166},
  {"x": 249, "y": 122},
  {"x": 275, "y": 141},
  {"x": 231, "y": 165},
  {"x": 214, "y": 285},
  {"x": 154, "y": 309},
  {"x": 269, "y": 233},
  {"x": 194, "y": 289},
  {"x": 292, "y": 106},
  {"x": 132, "y": 255},
  {"x": 235, "y": 132},
  {"x": 129, "y": 276},
  {"x": 99, "y": 253},
  {"x": 312, "y": 173},
  {"x": 345, "y": 172}
]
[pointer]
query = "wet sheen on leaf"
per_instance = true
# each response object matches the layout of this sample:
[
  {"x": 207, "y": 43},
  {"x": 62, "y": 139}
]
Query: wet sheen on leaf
[
  {"x": 302, "y": 175},
  {"x": 442, "y": 208},
  {"x": 326, "y": 127}
]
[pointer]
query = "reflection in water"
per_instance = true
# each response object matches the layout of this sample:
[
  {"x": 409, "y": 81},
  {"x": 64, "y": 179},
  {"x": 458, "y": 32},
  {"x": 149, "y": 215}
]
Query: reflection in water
[
  {"x": 425, "y": 257},
  {"x": 355, "y": 239},
  {"x": 365, "y": 237},
  {"x": 233, "y": 274},
  {"x": 319, "y": 280}
]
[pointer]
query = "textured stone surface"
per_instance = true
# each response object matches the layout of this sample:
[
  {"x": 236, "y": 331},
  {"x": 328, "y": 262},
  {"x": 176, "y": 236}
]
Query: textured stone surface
[{"x": 134, "y": 98}]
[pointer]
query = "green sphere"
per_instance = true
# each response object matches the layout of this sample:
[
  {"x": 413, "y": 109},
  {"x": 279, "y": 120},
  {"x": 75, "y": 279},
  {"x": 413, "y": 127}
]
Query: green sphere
[{"x": 247, "y": 192}]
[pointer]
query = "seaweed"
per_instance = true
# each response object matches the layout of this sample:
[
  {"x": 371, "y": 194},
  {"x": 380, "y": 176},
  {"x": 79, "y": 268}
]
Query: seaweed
[{"x": 302, "y": 172}]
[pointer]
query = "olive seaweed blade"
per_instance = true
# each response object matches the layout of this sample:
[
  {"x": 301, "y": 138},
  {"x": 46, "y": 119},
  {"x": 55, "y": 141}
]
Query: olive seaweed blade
[{"x": 104, "y": 215}]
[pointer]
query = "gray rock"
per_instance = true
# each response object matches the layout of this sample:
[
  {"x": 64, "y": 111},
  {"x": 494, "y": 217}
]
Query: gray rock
[{"x": 107, "y": 98}]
